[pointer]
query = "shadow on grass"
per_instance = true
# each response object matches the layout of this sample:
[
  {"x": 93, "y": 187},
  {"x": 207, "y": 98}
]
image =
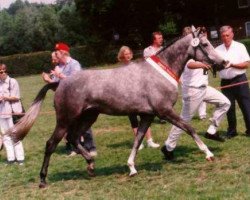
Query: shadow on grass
[
  {"x": 187, "y": 154},
  {"x": 102, "y": 171},
  {"x": 127, "y": 143}
]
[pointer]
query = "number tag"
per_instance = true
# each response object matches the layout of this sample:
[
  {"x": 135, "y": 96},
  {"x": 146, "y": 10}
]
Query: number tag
[{"x": 195, "y": 42}]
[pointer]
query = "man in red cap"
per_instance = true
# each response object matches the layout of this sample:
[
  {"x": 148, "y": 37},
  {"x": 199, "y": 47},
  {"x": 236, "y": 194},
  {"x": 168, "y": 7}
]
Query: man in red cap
[{"x": 67, "y": 66}]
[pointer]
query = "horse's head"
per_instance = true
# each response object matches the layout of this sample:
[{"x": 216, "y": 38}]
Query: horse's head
[{"x": 202, "y": 50}]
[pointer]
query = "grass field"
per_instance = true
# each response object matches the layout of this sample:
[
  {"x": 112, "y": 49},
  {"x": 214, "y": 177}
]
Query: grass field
[{"x": 190, "y": 176}]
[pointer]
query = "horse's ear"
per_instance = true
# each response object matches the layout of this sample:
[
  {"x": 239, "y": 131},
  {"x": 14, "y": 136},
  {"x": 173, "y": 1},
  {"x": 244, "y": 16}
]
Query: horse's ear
[
  {"x": 193, "y": 28},
  {"x": 198, "y": 30}
]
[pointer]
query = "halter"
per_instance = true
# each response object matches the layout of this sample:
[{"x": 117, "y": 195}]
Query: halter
[{"x": 195, "y": 43}]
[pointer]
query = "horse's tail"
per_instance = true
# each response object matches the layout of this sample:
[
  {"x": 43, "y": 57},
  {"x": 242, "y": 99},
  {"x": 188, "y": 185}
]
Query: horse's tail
[{"x": 22, "y": 127}]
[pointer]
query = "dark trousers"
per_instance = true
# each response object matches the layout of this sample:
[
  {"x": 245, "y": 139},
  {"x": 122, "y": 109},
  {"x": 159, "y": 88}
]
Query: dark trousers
[
  {"x": 241, "y": 94},
  {"x": 89, "y": 143}
]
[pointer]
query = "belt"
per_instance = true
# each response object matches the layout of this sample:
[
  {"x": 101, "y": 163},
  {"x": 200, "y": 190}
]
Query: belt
[
  {"x": 197, "y": 87},
  {"x": 234, "y": 78}
]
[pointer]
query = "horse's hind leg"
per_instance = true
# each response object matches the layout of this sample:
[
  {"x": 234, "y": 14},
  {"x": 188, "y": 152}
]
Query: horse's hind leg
[
  {"x": 51, "y": 145},
  {"x": 83, "y": 124},
  {"x": 173, "y": 118},
  {"x": 144, "y": 124}
]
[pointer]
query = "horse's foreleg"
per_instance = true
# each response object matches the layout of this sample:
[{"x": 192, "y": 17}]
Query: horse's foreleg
[
  {"x": 173, "y": 118},
  {"x": 144, "y": 124},
  {"x": 50, "y": 148}
]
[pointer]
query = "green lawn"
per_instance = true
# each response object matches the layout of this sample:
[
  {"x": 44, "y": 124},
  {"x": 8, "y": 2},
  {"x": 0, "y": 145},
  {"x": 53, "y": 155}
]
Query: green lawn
[{"x": 190, "y": 176}]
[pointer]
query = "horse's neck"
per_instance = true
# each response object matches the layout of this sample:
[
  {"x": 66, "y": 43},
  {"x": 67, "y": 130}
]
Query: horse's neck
[{"x": 176, "y": 55}]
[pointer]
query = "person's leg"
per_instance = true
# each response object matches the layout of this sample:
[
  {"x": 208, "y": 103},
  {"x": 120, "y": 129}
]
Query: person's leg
[
  {"x": 231, "y": 113},
  {"x": 243, "y": 99},
  {"x": 89, "y": 143},
  {"x": 202, "y": 111},
  {"x": 150, "y": 141},
  {"x": 134, "y": 124},
  {"x": 192, "y": 98},
  {"x": 8, "y": 144},
  {"x": 222, "y": 104},
  {"x": 1, "y": 142},
  {"x": 18, "y": 147}
]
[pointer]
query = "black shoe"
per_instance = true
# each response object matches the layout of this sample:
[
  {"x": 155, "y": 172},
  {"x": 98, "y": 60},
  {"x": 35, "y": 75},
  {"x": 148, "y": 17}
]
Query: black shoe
[
  {"x": 231, "y": 135},
  {"x": 215, "y": 137},
  {"x": 169, "y": 155}
]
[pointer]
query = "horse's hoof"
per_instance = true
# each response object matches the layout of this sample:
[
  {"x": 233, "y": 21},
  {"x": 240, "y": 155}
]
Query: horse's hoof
[
  {"x": 90, "y": 171},
  {"x": 42, "y": 185},
  {"x": 133, "y": 174},
  {"x": 210, "y": 159}
]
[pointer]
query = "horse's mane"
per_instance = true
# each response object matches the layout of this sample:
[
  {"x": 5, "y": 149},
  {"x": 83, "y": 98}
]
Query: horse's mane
[{"x": 168, "y": 44}]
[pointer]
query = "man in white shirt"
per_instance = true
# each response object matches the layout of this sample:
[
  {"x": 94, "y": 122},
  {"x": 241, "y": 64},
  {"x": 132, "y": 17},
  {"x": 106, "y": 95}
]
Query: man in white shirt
[
  {"x": 238, "y": 56},
  {"x": 157, "y": 41},
  {"x": 195, "y": 91}
]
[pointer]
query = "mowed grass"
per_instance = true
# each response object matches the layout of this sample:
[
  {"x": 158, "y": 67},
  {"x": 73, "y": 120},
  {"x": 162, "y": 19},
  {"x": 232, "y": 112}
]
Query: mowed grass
[{"x": 190, "y": 176}]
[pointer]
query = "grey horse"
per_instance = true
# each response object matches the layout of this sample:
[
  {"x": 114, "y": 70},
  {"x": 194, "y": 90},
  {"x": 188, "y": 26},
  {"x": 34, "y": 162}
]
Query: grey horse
[{"x": 141, "y": 89}]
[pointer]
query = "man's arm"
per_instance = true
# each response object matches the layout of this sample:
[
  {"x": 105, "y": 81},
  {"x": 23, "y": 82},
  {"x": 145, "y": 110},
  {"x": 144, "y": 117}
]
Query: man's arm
[{"x": 243, "y": 65}]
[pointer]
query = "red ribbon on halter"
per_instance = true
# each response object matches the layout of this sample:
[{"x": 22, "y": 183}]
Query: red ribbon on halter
[{"x": 165, "y": 67}]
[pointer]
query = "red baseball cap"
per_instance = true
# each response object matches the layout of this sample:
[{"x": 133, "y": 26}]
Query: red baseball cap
[{"x": 62, "y": 46}]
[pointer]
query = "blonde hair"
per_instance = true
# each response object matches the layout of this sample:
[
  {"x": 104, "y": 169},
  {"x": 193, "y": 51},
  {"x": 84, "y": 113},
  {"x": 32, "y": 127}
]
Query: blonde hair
[{"x": 120, "y": 56}]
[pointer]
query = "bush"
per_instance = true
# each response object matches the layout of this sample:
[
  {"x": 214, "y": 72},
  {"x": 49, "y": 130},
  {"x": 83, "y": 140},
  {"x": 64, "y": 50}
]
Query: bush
[{"x": 246, "y": 42}]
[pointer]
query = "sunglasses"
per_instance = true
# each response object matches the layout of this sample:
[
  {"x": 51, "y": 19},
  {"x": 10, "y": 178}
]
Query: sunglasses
[{"x": 2, "y": 71}]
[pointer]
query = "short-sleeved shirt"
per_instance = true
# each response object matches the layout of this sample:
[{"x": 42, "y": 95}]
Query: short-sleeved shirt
[
  {"x": 193, "y": 77},
  {"x": 237, "y": 53},
  {"x": 9, "y": 88},
  {"x": 71, "y": 67},
  {"x": 149, "y": 51}
]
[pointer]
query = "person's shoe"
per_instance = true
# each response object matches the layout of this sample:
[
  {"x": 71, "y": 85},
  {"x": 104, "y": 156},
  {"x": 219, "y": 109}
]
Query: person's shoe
[
  {"x": 20, "y": 162},
  {"x": 10, "y": 162},
  {"x": 152, "y": 144},
  {"x": 231, "y": 135},
  {"x": 141, "y": 146},
  {"x": 169, "y": 155},
  {"x": 72, "y": 153},
  {"x": 93, "y": 153},
  {"x": 203, "y": 117},
  {"x": 163, "y": 121},
  {"x": 215, "y": 137}
]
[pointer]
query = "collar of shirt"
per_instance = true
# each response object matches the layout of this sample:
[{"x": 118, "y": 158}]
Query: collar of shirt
[{"x": 6, "y": 80}]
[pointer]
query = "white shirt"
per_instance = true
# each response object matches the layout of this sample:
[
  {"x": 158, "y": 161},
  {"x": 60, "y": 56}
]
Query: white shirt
[
  {"x": 193, "y": 77},
  {"x": 9, "y": 87},
  {"x": 237, "y": 53},
  {"x": 149, "y": 51}
]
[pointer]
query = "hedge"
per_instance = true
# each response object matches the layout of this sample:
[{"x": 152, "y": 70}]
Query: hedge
[{"x": 36, "y": 63}]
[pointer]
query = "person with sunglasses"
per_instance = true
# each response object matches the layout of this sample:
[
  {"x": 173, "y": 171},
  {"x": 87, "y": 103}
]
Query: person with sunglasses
[{"x": 9, "y": 102}]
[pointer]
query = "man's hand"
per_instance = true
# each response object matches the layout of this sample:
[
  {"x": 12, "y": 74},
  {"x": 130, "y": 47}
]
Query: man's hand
[{"x": 46, "y": 77}]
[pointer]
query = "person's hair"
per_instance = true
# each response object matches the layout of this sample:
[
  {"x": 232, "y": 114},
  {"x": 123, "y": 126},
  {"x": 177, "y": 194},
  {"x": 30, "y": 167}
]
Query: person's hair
[
  {"x": 203, "y": 29},
  {"x": 120, "y": 55},
  {"x": 186, "y": 30},
  {"x": 154, "y": 34},
  {"x": 3, "y": 66},
  {"x": 225, "y": 28}
]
